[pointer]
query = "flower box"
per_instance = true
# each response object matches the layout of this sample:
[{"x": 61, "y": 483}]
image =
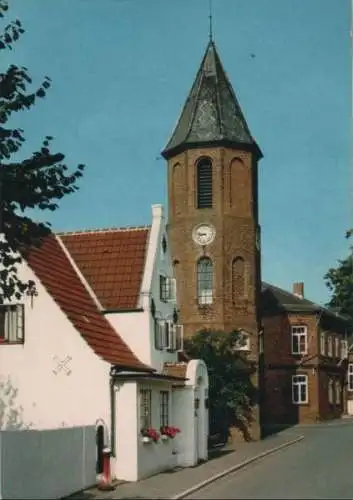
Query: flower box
[
  {"x": 150, "y": 434},
  {"x": 164, "y": 437},
  {"x": 169, "y": 432}
]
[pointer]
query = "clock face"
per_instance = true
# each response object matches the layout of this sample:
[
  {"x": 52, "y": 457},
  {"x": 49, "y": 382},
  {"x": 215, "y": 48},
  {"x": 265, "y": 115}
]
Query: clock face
[{"x": 204, "y": 234}]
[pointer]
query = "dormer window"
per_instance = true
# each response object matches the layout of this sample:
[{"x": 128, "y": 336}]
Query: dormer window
[{"x": 12, "y": 323}]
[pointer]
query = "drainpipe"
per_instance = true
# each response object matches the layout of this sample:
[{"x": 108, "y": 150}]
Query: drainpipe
[{"x": 112, "y": 416}]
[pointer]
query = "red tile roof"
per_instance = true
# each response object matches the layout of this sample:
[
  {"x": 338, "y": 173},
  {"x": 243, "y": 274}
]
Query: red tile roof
[
  {"x": 53, "y": 268},
  {"x": 112, "y": 261}
]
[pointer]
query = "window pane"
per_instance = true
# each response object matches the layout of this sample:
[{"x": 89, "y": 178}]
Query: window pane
[
  {"x": 204, "y": 280},
  {"x": 295, "y": 393},
  {"x": 295, "y": 344},
  {"x": 303, "y": 393},
  {"x": 302, "y": 341}
]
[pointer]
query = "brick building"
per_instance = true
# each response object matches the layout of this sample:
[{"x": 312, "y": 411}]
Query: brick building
[
  {"x": 213, "y": 209},
  {"x": 305, "y": 358},
  {"x": 214, "y": 234}
]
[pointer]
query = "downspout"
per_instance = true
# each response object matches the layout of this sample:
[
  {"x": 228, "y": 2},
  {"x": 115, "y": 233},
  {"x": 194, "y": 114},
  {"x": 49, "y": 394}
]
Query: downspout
[{"x": 112, "y": 416}]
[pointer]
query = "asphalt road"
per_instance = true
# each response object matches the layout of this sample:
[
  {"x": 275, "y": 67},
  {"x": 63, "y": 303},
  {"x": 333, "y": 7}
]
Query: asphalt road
[{"x": 320, "y": 466}]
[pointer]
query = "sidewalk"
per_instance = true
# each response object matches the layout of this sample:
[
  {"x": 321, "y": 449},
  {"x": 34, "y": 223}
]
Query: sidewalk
[{"x": 171, "y": 483}]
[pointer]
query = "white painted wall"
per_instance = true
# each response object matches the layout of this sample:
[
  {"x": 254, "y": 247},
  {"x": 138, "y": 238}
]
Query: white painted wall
[
  {"x": 32, "y": 396},
  {"x": 183, "y": 411},
  {"x": 126, "y": 462},
  {"x": 137, "y": 328},
  {"x": 156, "y": 457},
  {"x": 193, "y": 441}
]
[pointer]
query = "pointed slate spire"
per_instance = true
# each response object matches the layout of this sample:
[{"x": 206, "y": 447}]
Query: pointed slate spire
[{"x": 211, "y": 114}]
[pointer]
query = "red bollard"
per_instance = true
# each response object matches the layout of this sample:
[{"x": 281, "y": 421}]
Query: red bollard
[{"x": 105, "y": 482}]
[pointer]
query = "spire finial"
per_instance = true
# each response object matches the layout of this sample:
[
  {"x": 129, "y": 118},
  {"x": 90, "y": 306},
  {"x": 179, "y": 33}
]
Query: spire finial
[{"x": 210, "y": 18}]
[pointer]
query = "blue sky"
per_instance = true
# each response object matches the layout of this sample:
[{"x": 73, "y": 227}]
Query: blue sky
[{"x": 121, "y": 70}]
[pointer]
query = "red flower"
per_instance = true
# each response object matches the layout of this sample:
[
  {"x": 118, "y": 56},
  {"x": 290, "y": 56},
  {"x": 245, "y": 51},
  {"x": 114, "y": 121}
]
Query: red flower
[
  {"x": 151, "y": 433},
  {"x": 169, "y": 431}
]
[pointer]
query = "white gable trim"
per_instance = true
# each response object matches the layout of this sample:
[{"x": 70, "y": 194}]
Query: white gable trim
[
  {"x": 158, "y": 221},
  {"x": 78, "y": 272}
]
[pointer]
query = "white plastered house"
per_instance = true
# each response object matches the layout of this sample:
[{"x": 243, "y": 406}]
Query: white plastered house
[{"x": 96, "y": 342}]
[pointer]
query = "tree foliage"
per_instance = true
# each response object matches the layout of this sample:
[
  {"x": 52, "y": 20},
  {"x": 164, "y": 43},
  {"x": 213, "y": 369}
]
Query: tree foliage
[
  {"x": 229, "y": 372},
  {"x": 340, "y": 282},
  {"x": 37, "y": 182}
]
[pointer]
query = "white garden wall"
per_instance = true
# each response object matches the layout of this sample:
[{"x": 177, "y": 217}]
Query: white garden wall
[{"x": 47, "y": 464}]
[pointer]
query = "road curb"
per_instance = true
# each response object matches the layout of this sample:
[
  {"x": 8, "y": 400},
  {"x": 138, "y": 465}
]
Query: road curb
[{"x": 234, "y": 468}]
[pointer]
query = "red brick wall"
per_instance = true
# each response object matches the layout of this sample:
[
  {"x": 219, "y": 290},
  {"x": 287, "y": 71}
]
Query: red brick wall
[
  {"x": 234, "y": 215},
  {"x": 280, "y": 365}
]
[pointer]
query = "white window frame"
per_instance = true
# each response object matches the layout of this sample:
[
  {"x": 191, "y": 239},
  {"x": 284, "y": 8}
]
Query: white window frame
[
  {"x": 330, "y": 391},
  {"x": 330, "y": 346},
  {"x": 323, "y": 344},
  {"x": 337, "y": 392},
  {"x": 167, "y": 288},
  {"x": 205, "y": 281},
  {"x": 164, "y": 415},
  {"x": 298, "y": 332},
  {"x": 145, "y": 408},
  {"x": 168, "y": 335},
  {"x": 300, "y": 381},
  {"x": 12, "y": 323},
  {"x": 344, "y": 349},
  {"x": 337, "y": 347},
  {"x": 350, "y": 377}
]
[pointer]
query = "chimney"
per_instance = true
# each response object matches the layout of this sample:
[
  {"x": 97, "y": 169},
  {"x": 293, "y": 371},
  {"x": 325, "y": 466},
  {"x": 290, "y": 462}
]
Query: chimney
[
  {"x": 298, "y": 289},
  {"x": 157, "y": 211}
]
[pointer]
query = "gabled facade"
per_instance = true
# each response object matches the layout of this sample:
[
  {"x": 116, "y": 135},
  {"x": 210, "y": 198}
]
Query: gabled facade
[
  {"x": 48, "y": 341},
  {"x": 305, "y": 358},
  {"x": 131, "y": 273}
]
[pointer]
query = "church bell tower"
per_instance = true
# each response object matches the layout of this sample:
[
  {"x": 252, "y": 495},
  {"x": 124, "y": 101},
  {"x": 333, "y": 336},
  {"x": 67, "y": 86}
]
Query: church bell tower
[
  {"x": 213, "y": 225},
  {"x": 213, "y": 208}
]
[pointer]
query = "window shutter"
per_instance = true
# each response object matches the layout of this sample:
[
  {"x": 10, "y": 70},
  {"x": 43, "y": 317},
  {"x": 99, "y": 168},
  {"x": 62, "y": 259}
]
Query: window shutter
[
  {"x": 20, "y": 322},
  {"x": 173, "y": 333},
  {"x": 179, "y": 337},
  {"x": 157, "y": 336},
  {"x": 162, "y": 334}
]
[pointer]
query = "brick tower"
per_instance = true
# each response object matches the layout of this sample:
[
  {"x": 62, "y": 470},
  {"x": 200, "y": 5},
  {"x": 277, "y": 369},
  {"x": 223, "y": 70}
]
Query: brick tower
[{"x": 213, "y": 208}]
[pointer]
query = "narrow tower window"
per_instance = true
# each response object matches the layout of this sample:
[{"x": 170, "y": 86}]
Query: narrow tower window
[
  {"x": 205, "y": 281},
  {"x": 204, "y": 183}
]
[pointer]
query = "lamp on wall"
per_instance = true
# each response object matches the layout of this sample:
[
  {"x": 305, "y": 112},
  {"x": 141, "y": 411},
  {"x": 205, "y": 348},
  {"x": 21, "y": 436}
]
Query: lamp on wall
[{"x": 31, "y": 291}]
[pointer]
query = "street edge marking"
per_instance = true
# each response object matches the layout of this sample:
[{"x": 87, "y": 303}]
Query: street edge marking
[{"x": 234, "y": 468}]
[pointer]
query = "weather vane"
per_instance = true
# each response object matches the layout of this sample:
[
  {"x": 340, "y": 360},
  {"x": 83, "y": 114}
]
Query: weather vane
[{"x": 210, "y": 18}]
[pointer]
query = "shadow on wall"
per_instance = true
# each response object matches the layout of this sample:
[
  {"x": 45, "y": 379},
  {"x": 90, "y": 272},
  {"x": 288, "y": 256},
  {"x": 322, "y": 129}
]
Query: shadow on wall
[{"x": 11, "y": 414}]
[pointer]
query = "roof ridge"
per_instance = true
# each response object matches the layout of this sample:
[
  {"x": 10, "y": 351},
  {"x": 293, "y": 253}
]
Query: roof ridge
[
  {"x": 289, "y": 293},
  {"x": 105, "y": 230}
]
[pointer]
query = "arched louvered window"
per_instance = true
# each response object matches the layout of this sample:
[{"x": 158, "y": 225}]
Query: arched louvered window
[
  {"x": 204, "y": 281},
  {"x": 204, "y": 183}
]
